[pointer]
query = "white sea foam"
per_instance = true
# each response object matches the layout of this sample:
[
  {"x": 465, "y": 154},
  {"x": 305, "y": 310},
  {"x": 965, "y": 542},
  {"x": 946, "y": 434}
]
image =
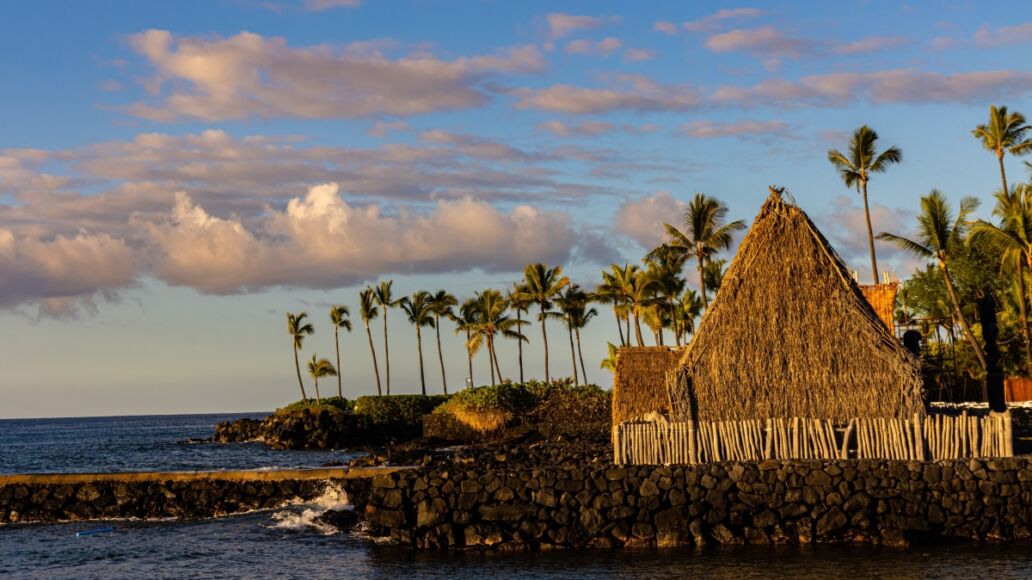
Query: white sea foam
[{"x": 304, "y": 514}]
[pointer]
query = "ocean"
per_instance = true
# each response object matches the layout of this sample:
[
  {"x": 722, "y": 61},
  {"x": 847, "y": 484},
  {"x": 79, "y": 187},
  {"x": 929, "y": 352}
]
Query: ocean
[{"x": 288, "y": 543}]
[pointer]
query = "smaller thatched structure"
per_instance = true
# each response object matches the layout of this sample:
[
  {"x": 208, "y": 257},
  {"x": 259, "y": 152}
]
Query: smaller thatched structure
[
  {"x": 882, "y": 298},
  {"x": 639, "y": 383}
]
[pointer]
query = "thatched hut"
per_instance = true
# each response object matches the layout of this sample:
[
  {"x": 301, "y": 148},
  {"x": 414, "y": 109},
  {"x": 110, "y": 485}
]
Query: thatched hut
[
  {"x": 791, "y": 335},
  {"x": 639, "y": 382},
  {"x": 882, "y": 298}
]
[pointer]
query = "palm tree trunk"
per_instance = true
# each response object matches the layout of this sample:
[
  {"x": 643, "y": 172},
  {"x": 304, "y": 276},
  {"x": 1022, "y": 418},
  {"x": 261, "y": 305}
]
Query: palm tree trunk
[
  {"x": 419, "y": 347},
  {"x": 573, "y": 352},
  {"x": 870, "y": 235},
  {"x": 440, "y": 355},
  {"x": 469, "y": 358},
  {"x": 317, "y": 397},
  {"x": 519, "y": 343},
  {"x": 960, "y": 314},
  {"x": 702, "y": 282},
  {"x": 336, "y": 342},
  {"x": 386, "y": 351},
  {"x": 297, "y": 367},
  {"x": 580, "y": 355},
  {"x": 619, "y": 326},
  {"x": 376, "y": 367},
  {"x": 544, "y": 338},
  {"x": 491, "y": 361},
  {"x": 627, "y": 321},
  {"x": 498, "y": 367},
  {"x": 1003, "y": 172},
  {"x": 1024, "y": 316},
  {"x": 637, "y": 329}
]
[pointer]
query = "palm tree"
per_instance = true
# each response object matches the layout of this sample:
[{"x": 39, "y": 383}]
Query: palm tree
[
  {"x": 369, "y": 311},
  {"x": 1004, "y": 133},
  {"x": 713, "y": 273},
  {"x": 668, "y": 286},
  {"x": 609, "y": 363},
  {"x": 441, "y": 304},
  {"x": 298, "y": 329},
  {"x": 420, "y": 313},
  {"x": 706, "y": 233},
  {"x": 614, "y": 290},
  {"x": 340, "y": 316},
  {"x": 938, "y": 235},
  {"x": 1013, "y": 238},
  {"x": 465, "y": 320},
  {"x": 541, "y": 285},
  {"x": 579, "y": 319},
  {"x": 571, "y": 299},
  {"x": 320, "y": 367},
  {"x": 385, "y": 298},
  {"x": 492, "y": 321},
  {"x": 689, "y": 308},
  {"x": 640, "y": 297},
  {"x": 519, "y": 305},
  {"x": 856, "y": 170}
]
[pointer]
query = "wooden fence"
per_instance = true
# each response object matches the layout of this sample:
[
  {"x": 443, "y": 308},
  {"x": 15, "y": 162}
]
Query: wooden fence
[{"x": 931, "y": 437}]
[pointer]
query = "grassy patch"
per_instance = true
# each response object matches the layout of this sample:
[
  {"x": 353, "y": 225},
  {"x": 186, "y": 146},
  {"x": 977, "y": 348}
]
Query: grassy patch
[
  {"x": 405, "y": 409},
  {"x": 329, "y": 403},
  {"x": 491, "y": 408}
]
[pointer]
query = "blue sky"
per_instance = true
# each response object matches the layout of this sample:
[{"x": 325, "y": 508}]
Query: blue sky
[{"x": 176, "y": 176}]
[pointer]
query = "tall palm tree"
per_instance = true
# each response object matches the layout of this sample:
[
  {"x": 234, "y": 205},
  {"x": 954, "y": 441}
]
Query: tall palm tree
[
  {"x": 640, "y": 297},
  {"x": 713, "y": 273},
  {"x": 369, "y": 311},
  {"x": 340, "y": 317},
  {"x": 668, "y": 286},
  {"x": 420, "y": 313},
  {"x": 706, "y": 233},
  {"x": 856, "y": 169},
  {"x": 579, "y": 318},
  {"x": 541, "y": 285},
  {"x": 571, "y": 299},
  {"x": 385, "y": 298},
  {"x": 465, "y": 320},
  {"x": 441, "y": 304},
  {"x": 298, "y": 329},
  {"x": 492, "y": 321},
  {"x": 689, "y": 308},
  {"x": 320, "y": 367},
  {"x": 1006, "y": 132},
  {"x": 1013, "y": 238},
  {"x": 614, "y": 290},
  {"x": 938, "y": 235},
  {"x": 519, "y": 305}
]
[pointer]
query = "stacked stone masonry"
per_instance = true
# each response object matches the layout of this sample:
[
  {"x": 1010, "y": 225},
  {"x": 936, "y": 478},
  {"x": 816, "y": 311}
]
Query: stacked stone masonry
[{"x": 873, "y": 501}]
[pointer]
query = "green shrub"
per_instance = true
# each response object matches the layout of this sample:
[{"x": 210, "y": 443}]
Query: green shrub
[
  {"x": 517, "y": 398},
  {"x": 333, "y": 403},
  {"x": 405, "y": 409}
]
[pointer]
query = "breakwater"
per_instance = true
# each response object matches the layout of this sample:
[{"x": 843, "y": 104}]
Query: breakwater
[
  {"x": 188, "y": 494},
  {"x": 454, "y": 506}
]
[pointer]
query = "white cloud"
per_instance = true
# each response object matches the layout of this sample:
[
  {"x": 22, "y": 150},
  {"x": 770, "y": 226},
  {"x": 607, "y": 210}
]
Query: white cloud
[
  {"x": 603, "y": 47},
  {"x": 713, "y": 21},
  {"x": 249, "y": 75},
  {"x": 763, "y": 131},
  {"x": 561, "y": 25},
  {"x": 638, "y": 55},
  {"x": 986, "y": 37},
  {"x": 642, "y": 219},
  {"x": 636, "y": 93},
  {"x": 321, "y": 241},
  {"x": 870, "y": 44},
  {"x": 320, "y": 5},
  {"x": 766, "y": 42}
]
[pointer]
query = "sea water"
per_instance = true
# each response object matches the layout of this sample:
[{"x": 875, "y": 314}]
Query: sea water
[{"x": 290, "y": 542}]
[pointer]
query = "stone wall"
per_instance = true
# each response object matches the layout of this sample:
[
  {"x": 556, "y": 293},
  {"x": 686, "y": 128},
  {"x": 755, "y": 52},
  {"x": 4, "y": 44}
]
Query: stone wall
[
  {"x": 889, "y": 502},
  {"x": 72, "y": 497}
]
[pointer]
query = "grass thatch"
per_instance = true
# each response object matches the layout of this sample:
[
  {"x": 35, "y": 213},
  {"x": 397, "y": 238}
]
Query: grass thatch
[
  {"x": 882, "y": 298},
  {"x": 639, "y": 383},
  {"x": 790, "y": 334}
]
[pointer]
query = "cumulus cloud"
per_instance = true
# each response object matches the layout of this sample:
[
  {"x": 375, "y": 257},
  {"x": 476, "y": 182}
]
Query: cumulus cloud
[
  {"x": 62, "y": 275},
  {"x": 713, "y": 21},
  {"x": 764, "y": 131},
  {"x": 322, "y": 241},
  {"x": 642, "y": 219},
  {"x": 986, "y": 37},
  {"x": 603, "y": 47},
  {"x": 889, "y": 86},
  {"x": 635, "y": 93},
  {"x": 249, "y": 75},
  {"x": 561, "y": 25}
]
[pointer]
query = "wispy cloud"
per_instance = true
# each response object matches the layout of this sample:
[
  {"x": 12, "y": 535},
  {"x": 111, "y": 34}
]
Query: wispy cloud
[
  {"x": 603, "y": 47},
  {"x": 746, "y": 130},
  {"x": 635, "y": 93},
  {"x": 986, "y": 37},
  {"x": 713, "y": 21},
  {"x": 561, "y": 25}
]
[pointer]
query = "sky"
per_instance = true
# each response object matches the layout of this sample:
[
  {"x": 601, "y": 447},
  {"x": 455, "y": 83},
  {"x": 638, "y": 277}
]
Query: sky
[{"x": 175, "y": 176}]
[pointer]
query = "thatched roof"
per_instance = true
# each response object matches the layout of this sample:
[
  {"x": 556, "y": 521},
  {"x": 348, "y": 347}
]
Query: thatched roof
[
  {"x": 639, "y": 383},
  {"x": 790, "y": 334},
  {"x": 882, "y": 298}
]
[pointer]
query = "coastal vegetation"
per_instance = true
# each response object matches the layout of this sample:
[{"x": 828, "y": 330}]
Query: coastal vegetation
[{"x": 659, "y": 301}]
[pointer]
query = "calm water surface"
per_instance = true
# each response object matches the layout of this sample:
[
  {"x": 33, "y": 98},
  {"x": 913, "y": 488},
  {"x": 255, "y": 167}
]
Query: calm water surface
[{"x": 286, "y": 543}]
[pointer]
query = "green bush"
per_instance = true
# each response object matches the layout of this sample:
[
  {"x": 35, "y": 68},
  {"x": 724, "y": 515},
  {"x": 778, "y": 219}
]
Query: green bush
[
  {"x": 517, "y": 398},
  {"x": 405, "y": 409},
  {"x": 331, "y": 403}
]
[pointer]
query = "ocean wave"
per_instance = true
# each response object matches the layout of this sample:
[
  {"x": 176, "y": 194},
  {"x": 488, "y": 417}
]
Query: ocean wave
[{"x": 304, "y": 515}]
